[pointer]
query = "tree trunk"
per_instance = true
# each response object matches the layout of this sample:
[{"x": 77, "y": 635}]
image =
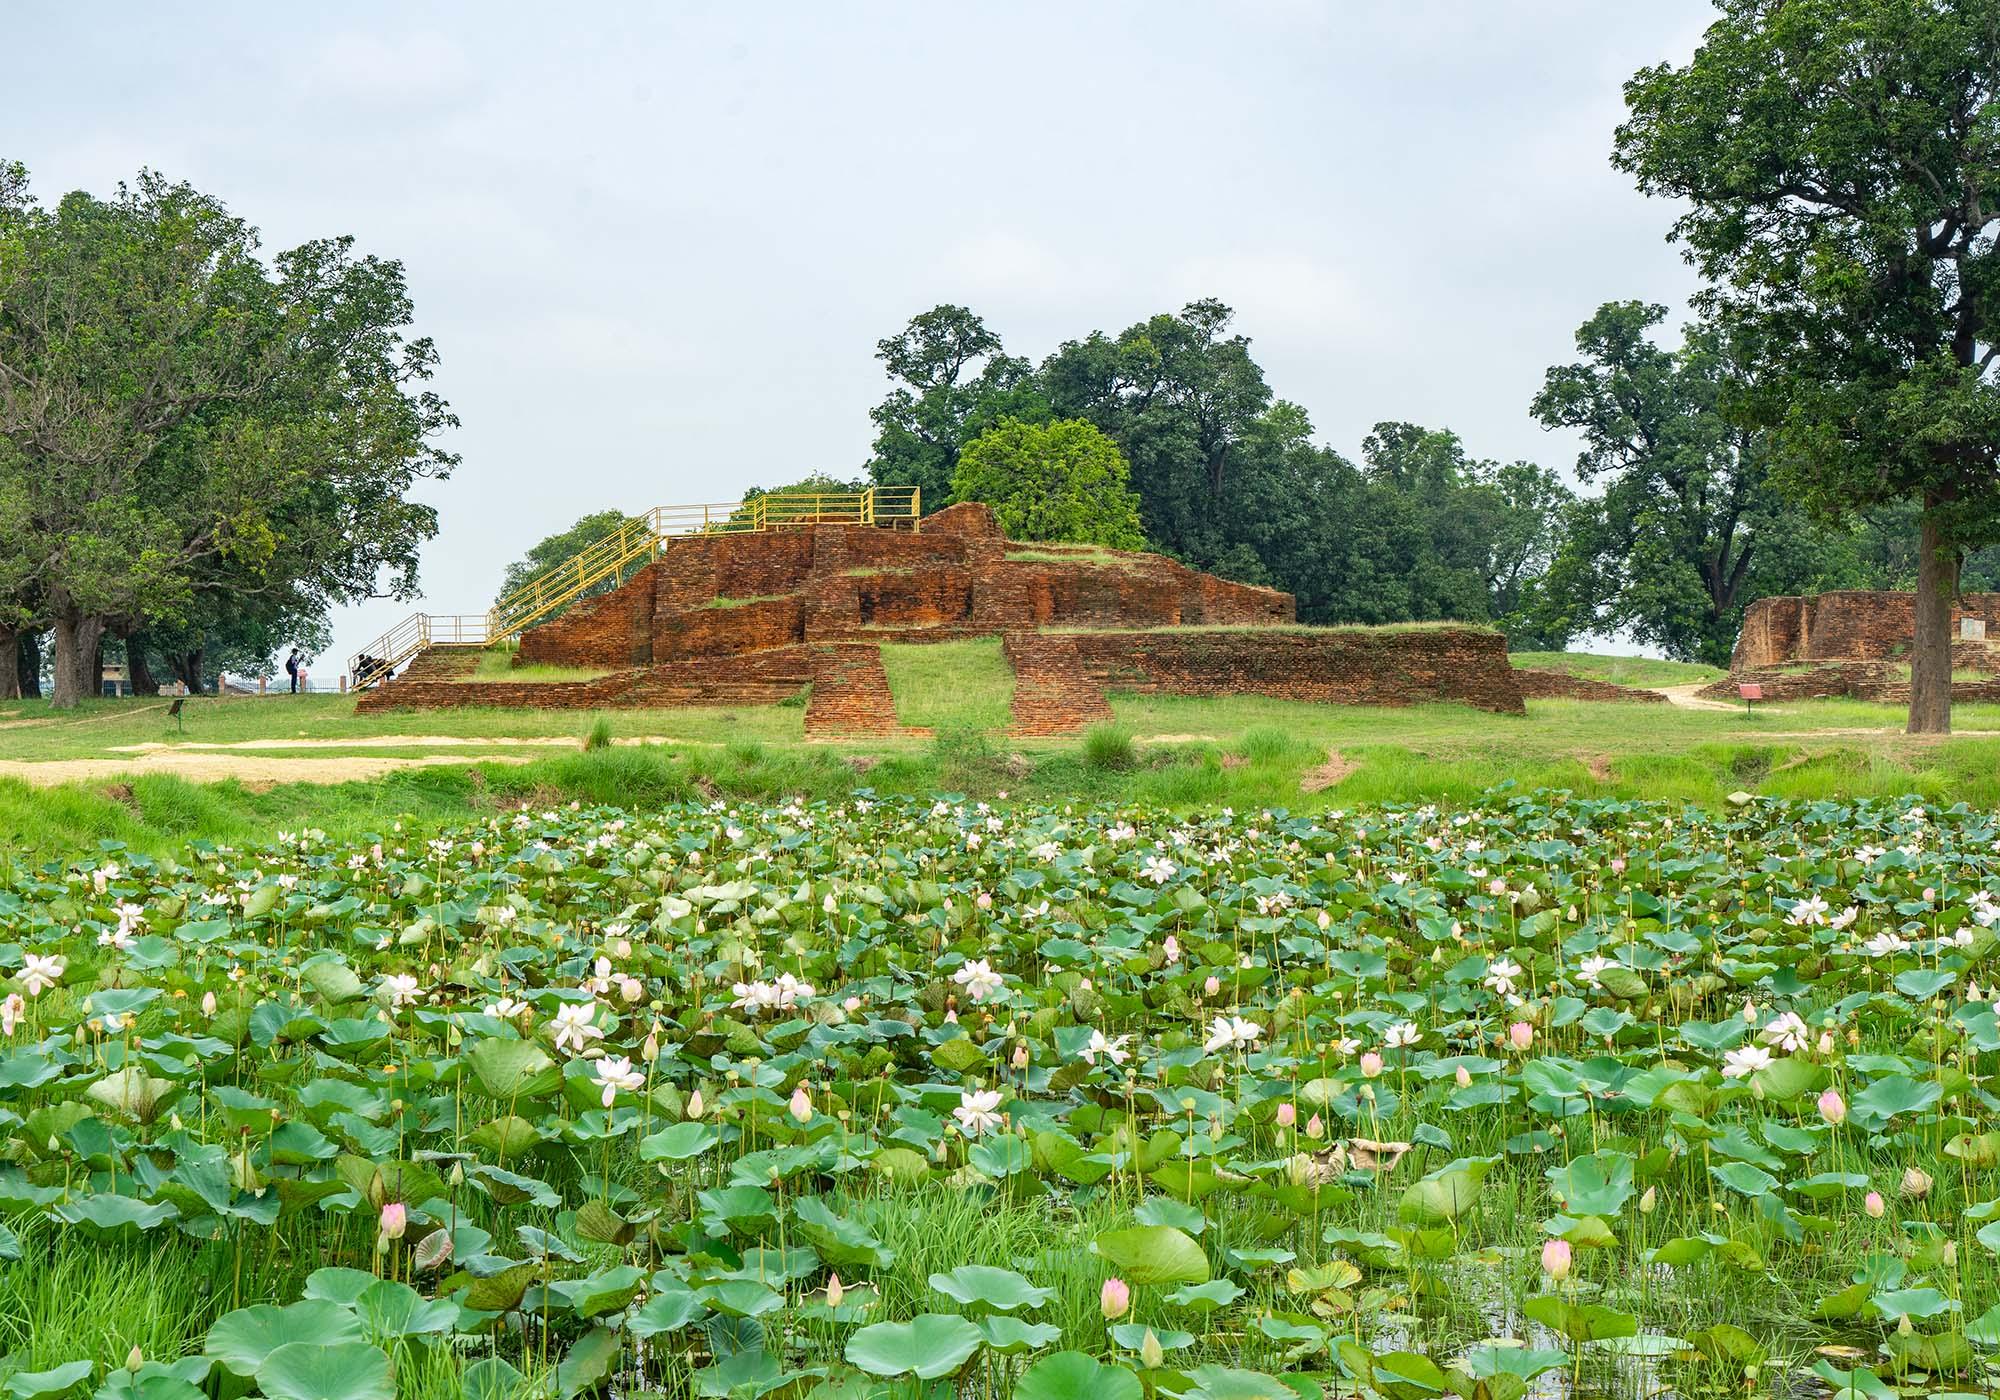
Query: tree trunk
[
  {"x": 76, "y": 658},
  {"x": 144, "y": 682},
  {"x": 28, "y": 665},
  {"x": 10, "y": 665},
  {"x": 187, "y": 665},
  {"x": 1930, "y": 649}
]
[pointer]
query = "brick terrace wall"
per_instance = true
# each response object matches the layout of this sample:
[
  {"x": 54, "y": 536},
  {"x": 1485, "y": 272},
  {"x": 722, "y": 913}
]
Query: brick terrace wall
[
  {"x": 1054, "y": 693},
  {"x": 1850, "y": 625},
  {"x": 724, "y": 630},
  {"x": 612, "y": 629},
  {"x": 1537, "y": 684},
  {"x": 850, "y": 692},
  {"x": 1332, "y": 667},
  {"x": 763, "y": 678},
  {"x": 1876, "y": 681}
]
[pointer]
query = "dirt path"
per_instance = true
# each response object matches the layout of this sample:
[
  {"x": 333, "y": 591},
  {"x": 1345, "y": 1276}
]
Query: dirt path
[
  {"x": 1684, "y": 696},
  {"x": 1329, "y": 774},
  {"x": 395, "y": 741},
  {"x": 219, "y": 767}
]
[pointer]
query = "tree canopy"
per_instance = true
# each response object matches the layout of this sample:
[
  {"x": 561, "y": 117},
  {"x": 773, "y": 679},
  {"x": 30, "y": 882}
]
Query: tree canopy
[{"x": 1063, "y": 481}]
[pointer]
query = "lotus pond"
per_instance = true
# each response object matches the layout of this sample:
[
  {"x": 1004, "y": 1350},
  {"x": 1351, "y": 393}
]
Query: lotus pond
[{"x": 892, "y": 1098}]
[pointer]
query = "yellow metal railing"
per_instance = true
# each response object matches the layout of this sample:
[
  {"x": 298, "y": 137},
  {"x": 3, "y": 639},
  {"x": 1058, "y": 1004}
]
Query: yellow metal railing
[
  {"x": 607, "y": 559},
  {"x": 416, "y": 633}
]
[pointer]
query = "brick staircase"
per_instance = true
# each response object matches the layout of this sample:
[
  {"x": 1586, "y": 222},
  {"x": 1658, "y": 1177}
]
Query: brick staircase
[
  {"x": 1053, "y": 692},
  {"x": 850, "y": 691}
]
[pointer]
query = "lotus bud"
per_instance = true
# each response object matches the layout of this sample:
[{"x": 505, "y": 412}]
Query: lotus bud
[
  {"x": 1948, "y": 1256},
  {"x": 1315, "y": 1128},
  {"x": 802, "y": 1104},
  {"x": 852, "y": 1004},
  {"x": 1020, "y": 1058},
  {"x": 650, "y": 1050},
  {"x": 1650, "y": 1201},
  {"x": 1826, "y": 1042},
  {"x": 1556, "y": 1259},
  {"x": 834, "y": 1291},
  {"x": 1288, "y": 1114},
  {"x": 1916, "y": 1183},
  {"x": 1115, "y": 1300},
  {"x": 1872, "y": 1203},
  {"x": 1521, "y": 1035},
  {"x": 1371, "y": 1063},
  {"x": 395, "y": 1220},
  {"x": 1749, "y": 1013},
  {"x": 457, "y": 1177},
  {"x": 134, "y": 1358},
  {"x": 1212, "y": 986},
  {"x": 695, "y": 1107},
  {"x": 1903, "y": 1326},
  {"x": 1833, "y": 1108},
  {"x": 1151, "y": 1355},
  {"x": 1463, "y": 1077},
  {"x": 208, "y": 1003}
]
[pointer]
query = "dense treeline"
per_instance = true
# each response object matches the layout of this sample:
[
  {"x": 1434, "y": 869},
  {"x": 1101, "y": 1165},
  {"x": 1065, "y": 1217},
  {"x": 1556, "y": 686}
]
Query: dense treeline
[
  {"x": 201, "y": 451},
  {"x": 1677, "y": 529}
]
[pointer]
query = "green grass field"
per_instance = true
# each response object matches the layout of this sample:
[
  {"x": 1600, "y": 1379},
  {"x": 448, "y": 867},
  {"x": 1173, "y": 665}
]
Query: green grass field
[
  {"x": 121, "y": 770},
  {"x": 1644, "y": 671}
]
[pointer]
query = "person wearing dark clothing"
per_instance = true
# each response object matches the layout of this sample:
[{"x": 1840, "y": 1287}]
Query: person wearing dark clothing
[{"x": 292, "y": 669}]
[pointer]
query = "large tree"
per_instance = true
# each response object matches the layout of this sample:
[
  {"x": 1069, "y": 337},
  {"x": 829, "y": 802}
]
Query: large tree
[
  {"x": 1182, "y": 398},
  {"x": 187, "y": 423},
  {"x": 1687, "y": 530},
  {"x": 953, "y": 380},
  {"x": 1063, "y": 481},
  {"x": 1840, "y": 165}
]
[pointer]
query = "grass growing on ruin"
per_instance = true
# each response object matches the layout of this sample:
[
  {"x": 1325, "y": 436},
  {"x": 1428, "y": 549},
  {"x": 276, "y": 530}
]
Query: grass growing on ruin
[
  {"x": 497, "y": 664},
  {"x": 951, "y": 685},
  {"x": 1645, "y": 671}
]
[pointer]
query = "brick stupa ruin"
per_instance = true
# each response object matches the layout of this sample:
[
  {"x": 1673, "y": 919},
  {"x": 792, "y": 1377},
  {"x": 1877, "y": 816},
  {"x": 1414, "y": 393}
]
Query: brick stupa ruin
[
  {"x": 1856, "y": 643},
  {"x": 754, "y": 618}
]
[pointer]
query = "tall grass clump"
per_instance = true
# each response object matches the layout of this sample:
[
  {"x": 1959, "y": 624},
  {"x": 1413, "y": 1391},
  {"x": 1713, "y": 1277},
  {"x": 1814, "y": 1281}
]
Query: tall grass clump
[
  {"x": 1108, "y": 749},
  {"x": 599, "y": 736}
]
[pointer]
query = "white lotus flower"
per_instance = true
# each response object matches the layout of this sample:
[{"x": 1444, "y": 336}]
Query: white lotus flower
[
  {"x": 576, "y": 1026},
  {"x": 1111, "y": 1047},
  {"x": 978, "y": 1111},
  {"x": 1229, "y": 1032},
  {"x": 1741, "y": 1063},
  {"x": 979, "y": 979}
]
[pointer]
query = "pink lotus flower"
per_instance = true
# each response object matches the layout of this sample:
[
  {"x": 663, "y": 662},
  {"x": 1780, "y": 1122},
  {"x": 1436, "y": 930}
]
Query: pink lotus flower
[
  {"x": 395, "y": 1220},
  {"x": 1556, "y": 1259},
  {"x": 802, "y": 1104},
  {"x": 1371, "y": 1063},
  {"x": 1315, "y": 1129},
  {"x": 1832, "y": 1108},
  {"x": 1521, "y": 1035},
  {"x": 1872, "y": 1203},
  {"x": 1115, "y": 1300},
  {"x": 1288, "y": 1114}
]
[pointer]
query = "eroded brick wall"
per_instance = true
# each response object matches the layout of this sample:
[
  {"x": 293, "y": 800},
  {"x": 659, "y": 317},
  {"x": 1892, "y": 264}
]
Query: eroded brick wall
[
  {"x": 761, "y": 678},
  {"x": 1852, "y": 625},
  {"x": 1538, "y": 684},
  {"x": 1335, "y": 667},
  {"x": 1881, "y": 682}
]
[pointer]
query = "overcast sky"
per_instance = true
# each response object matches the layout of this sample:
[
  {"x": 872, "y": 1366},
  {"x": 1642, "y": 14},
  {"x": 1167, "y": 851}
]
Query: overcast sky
[{"x": 656, "y": 245}]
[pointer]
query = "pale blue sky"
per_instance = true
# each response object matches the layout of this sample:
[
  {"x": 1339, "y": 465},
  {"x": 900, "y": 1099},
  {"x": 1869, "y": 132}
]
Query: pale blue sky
[{"x": 656, "y": 244}]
